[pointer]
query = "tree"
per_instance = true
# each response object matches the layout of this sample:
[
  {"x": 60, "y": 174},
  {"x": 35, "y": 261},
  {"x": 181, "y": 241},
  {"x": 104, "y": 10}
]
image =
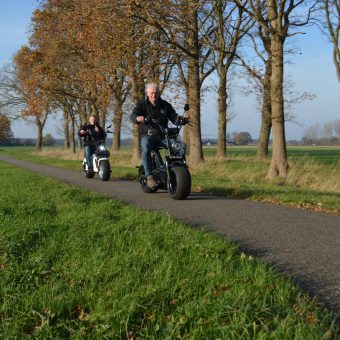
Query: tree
[
  {"x": 5, "y": 129},
  {"x": 64, "y": 33},
  {"x": 277, "y": 19},
  {"x": 227, "y": 26},
  {"x": 31, "y": 77},
  {"x": 327, "y": 131},
  {"x": 48, "y": 140},
  {"x": 180, "y": 22},
  {"x": 337, "y": 128},
  {"x": 260, "y": 84},
  {"x": 311, "y": 135},
  {"x": 242, "y": 138}
]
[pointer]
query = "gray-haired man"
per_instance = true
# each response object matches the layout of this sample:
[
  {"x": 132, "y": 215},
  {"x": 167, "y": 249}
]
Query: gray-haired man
[{"x": 154, "y": 107}]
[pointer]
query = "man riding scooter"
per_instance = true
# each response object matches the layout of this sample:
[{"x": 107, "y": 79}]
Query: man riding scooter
[
  {"x": 92, "y": 133},
  {"x": 153, "y": 107}
]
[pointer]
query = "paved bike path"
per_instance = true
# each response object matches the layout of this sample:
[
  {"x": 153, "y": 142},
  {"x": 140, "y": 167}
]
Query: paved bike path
[{"x": 304, "y": 245}]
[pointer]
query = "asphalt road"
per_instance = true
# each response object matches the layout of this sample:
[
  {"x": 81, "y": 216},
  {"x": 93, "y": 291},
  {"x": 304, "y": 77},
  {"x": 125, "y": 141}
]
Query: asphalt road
[{"x": 303, "y": 245}]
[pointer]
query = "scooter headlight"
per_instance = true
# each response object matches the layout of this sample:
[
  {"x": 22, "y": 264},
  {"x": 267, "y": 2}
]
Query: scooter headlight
[
  {"x": 176, "y": 146},
  {"x": 101, "y": 148}
]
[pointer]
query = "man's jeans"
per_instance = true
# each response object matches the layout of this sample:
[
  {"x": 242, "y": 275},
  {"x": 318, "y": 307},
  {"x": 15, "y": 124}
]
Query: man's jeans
[
  {"x": 148, "y": 143},
  {"x": 88, "y": 151}
]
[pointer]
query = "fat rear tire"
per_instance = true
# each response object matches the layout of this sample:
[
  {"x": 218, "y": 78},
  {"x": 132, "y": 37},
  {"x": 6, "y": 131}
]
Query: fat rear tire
[
  {"x": 104, "y": 170},
  {"x": 179, "y": 183}
]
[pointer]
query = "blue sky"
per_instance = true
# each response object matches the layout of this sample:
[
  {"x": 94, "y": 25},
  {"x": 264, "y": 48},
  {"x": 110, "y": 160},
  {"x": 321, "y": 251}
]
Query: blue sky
[
  {"x": 312, "y": 71},
  {"x": 15, "y": 17}
]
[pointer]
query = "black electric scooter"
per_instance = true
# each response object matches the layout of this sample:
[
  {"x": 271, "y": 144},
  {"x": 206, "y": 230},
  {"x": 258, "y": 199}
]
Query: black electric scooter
[{"x": 172, "y": 173}]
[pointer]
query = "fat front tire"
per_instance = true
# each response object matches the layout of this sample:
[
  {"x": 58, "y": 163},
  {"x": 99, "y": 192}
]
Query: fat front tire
[
  {"x": 142, "y": 180},
  {"x": 179, "y": 183},
  {"x": 104, "y": 170}
]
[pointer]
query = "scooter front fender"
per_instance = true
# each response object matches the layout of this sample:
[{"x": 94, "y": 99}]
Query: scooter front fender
[{"x": 102, "y": 159}]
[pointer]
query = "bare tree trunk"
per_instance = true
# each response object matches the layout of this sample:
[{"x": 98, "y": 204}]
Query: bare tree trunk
[
  {"x": 196, "y": 152},
  {"x": 279, "y": 162},
  {"x": 136, "y": 155},
  {"x": 40, "y": 127},
  {"x": 222, "y": 114},
  {"x": 98, "y": 115},
  {"x": 66, "y": 131},
  {"x": 79, "y": 143},
  {"x": 117, "y": 120},
  {"x": 102, "y": 119},
  {"x": 186, "y": 139},
  {"x": 117, "y": 125},
  {"x": 138, "y": 94},
  {"x": 263, "y": 145},
  {"x": 266, "y": 124},
  {"x": 73, "y": 135},
  {"x": 186, "y": 132},
  {"x": 194, "y": 95}
]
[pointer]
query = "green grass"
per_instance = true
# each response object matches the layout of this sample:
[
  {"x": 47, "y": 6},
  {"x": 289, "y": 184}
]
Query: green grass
[
  {"x": 50, "y": 157},
  {"x": 75, "y": 264},
  {"x": 313, "y": 181},
  {"x": 246, "y": 180}
]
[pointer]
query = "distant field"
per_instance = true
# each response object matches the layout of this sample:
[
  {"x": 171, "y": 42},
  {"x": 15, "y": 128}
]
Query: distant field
[
  {"x": 320, "y": 154},
  {"x": 325, "y": 155},
  {"x": 313, "y": 181},
  {"x": 79, "y": 265}
]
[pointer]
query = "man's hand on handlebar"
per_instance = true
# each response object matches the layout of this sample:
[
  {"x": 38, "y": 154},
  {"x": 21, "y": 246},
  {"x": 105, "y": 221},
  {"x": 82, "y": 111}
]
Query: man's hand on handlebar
[
  {"x": 183, "y": 120},
  {"x": 186, "y": 119},
  {"x": 140, "y": 119},
  {"x": 147, "y": 119}
]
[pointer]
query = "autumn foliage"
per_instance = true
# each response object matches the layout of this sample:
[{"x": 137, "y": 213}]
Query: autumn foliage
[{"x": 95, "y": 57}]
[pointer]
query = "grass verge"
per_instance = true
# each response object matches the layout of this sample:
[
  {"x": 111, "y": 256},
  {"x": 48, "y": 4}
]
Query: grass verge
[
  {"x": 80, "y": 265},
  {"x": 313, "y": 181}
]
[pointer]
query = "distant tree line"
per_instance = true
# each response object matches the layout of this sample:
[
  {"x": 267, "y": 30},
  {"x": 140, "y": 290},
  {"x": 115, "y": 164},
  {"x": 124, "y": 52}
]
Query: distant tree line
[
  {"x": 327, "y": 134},
  {"x": 95, "y": 57},
  {"x": 47, "y": 140}
]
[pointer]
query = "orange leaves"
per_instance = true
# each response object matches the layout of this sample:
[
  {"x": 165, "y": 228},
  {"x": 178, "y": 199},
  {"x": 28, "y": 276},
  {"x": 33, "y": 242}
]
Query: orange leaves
[{"x": 30, "y": 71}]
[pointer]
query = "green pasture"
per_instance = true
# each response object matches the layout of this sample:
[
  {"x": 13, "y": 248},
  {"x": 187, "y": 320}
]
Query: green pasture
[
  {"x": 75, "y": 264},
  {"x": 320, "y": 154}
]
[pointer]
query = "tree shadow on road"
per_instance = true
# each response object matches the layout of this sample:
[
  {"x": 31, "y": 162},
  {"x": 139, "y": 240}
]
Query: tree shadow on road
[{"x": 303, "y": 198}]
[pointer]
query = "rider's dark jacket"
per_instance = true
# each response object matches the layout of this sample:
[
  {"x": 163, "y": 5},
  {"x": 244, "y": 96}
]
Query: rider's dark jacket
[
  {"x": 162, "y": 111},
  {"x": 88, "y": 141}
]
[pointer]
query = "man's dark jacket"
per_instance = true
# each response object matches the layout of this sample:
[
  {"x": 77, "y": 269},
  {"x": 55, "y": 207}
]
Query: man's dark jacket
[
  {"x": 88, "y": 141},
  {"x": 162, "y": 110}
]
